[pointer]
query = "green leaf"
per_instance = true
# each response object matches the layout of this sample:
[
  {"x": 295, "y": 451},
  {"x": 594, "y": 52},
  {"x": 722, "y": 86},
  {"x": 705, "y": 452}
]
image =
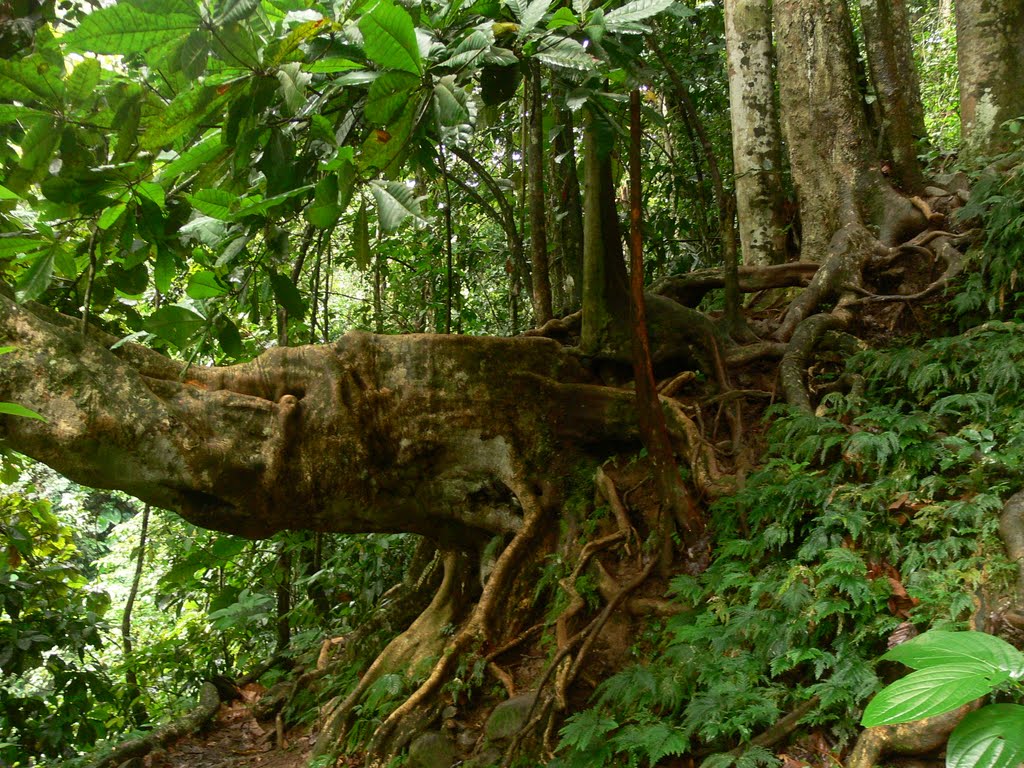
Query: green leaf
[
  {"x": 324, "y": 211},
  {"x": 636, "y": 10},
  {"x": 563, "y": 17},
  {"x": 217, "y": 203},
  {"x": 389, "y": 38},
  {"x": 110, "y": 215},
  {"x": 532, "y": 15},
  {"x": 931, "y": 691},
  {"x": 230, "y": 11},
  {"x": 124, "y": 29},
  {"x": 14, "y": 246},
  {"x": 175, "y": 323},
  {"x": 185, "y": 114},
  {"x": 152, "y": 192},
  {"x": 938, "y": 647},
  {"x": 131, "y": 282},
  {"x": 254, "y": 206},
  {"x": 565, "y": 53},
  {"x": 469, "y": 51},
  {"x": 281, "y": 50},
  {"x": 230, "y": 339},
  {"x": 38, "y": 144},
  {"x": 330, "y": 66},
  {"x": 204, "y": 285},
  {"x": 203, "y": 153},
  {"x": 382, "y": 148},
  {"x": 990, "y": 737},
  {"x": 395, "y": 203},
  {"x": 81, "y": 84},
  {"x": 31, "y": 80},
  {"x": 451, "y": 102},
  {"x": 389, "y": 93},
  {"x": 194, "y": 54},
  {"x": 293, "y": 85},
  {"x": 361, "y": 239},
  {"x": 12, "y": 409},
  {"x": 37, "y": 278},
  {"x": 12, "y": 113},
  {"x": 164, "y": 270},
  {"x": 287, "y": 295}
]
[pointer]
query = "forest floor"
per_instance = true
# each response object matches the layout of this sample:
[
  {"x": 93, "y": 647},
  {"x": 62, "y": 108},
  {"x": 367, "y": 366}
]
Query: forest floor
[{"x": 235, "y": 739}]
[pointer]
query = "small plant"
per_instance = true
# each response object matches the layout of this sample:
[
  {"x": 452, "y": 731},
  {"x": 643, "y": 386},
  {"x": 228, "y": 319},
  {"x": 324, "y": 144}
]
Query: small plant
[{"x": 952, "y": 669}]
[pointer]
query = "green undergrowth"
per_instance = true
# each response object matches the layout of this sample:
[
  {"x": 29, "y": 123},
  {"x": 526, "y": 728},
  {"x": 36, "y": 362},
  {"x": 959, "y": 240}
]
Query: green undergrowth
[{"x": 878, "y": 511}]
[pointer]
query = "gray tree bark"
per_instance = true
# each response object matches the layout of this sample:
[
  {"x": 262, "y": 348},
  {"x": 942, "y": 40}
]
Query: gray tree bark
[
  {"x": 990, "y": 57},
  {"x": 756, "y": 139}
]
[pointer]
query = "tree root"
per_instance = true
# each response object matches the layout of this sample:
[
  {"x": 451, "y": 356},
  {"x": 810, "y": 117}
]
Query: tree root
[
  {"x": 794, "y": 362},
  {"x": 209, "y": 703},
  {"x": 914, "y": 738},
  {"x": 1011, "y": 530},
  {"x": 691, "y": 288}
]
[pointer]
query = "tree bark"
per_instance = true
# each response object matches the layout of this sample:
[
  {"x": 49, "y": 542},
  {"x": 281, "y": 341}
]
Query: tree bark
[
  {"x": 423, "y": 434},
  {"x": 756, "y": 137},
  {"x": 568, "y": 207},
  {"x": 605, "y": 285},
  {"x": 886, "y": 26},
  {"x": 990, "y": 57},
  {"x": 535, "y": 174},
  {"x": 835, "y": 171}
]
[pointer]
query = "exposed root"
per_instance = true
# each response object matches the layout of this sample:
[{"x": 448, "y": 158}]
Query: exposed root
[
  {"x": 209, "y": 702},
  {"x": 914, "y": 738},
  {"x": 794, "y": 363},
  {"x": 689, "y": 289},
  {"x": 1011, "y": 530},
  {"x": 782, "y": 727}
]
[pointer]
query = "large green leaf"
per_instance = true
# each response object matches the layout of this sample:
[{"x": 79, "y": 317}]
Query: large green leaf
[
  {"x": 175, "y": 323},
  {"x": 990, "y": 737},
  {"x": 470, "y": 50},
  {"x": 12, "y": 409},
  {"x": 81, "y": 84},
  {"x": 565, "y": 53},
  {"x": 218, "y": 203},
  {"x": 324, "y": 211},
  {"x": 931, "y": 691},
  {"x": 451, "y": 103},
  {"x": 293, "y": 85},
  {"x": 396, "y": 202},
  {"x": 389, "y": 38},
  {"x": 124, "y": 29},
  {"x": 31, "y": 80},
  {"x": 389, "y": 93},
  {"x": 330, "y": 66},
  {"x": 938, "y": 647},
  {"x": 203, "y": 153},
  {"x": 13, "y": 246},
  {"x": 532, "y": 15},
  {"x": 230, "y": 11},
  {"x": 11, "y": 113},
  {"x": 636, "y": 10},
  {"x": 185, "y": 114},
  {"x": 383, "y": 148},
  {"x": 37, "y": 277},
  {"x": 287, "y": 295},
  {"x": 204, "y": 285}
]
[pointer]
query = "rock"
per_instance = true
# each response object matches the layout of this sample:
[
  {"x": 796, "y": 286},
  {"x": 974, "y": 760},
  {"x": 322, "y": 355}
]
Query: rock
[
  {"x": 431, "y": 749},
  {"x": 489, "y": 758},
  {"x": 935, "y": 192},
  {"x": 467, "y": 739},
  {"x": 508, "y": 717}
]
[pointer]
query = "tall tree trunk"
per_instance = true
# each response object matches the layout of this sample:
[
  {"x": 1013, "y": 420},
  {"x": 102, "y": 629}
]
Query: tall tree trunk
[
  {"x": 605, "y": 286},
  {"x": 886, "y": 26},
  {"x": 283, "y": 570},
  {"x": 131, "y": 678},
  {"x": 675, "y": 500},
  {"x": 534, "y": 106},
  {"x": 568, "y": 207},
  {"x": 756, "y": 138},
  {"x": 835, "y": 171},
  {"x": 990, "y": 57}
]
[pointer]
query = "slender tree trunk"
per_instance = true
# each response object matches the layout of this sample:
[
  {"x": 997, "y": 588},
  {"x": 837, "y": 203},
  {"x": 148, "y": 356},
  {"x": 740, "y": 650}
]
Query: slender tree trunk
[
  {"x": 675, "y": 500},
  {"x": 886, "y": 26},
  {"x": 535, "y": 173},
  {"x": 605, "y": 285},
  {"x": 448, "y": 243},
  {"x": 283, "y": 569},
  {"x": 568, "y": 207},
  {"x": 139, "y": 713},
  {"x": 756, "y": 137},
  {"x": 990, "y": 57}
]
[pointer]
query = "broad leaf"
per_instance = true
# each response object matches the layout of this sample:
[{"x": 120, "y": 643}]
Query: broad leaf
[
  {"x": 230, "y": 339},
  {"x": 389, "y": 93},
  {"x": 217, "y": 203},
  {"x": 395, "y": 203},
  {"x": 31, "y": 80},
  {"x": 37, "y": 278},
  {"x": 203, "y": 153},
  {"x": 293, "y": 85},
  {"x": 324, "y": 211},
  {"x": 175, "y": 323},
  {"x": 990, "y": 737},
  {"x": 636, "y": 10},
  {"x": 204, "y": 285},
  {"x": 938, "y": 647},
  {"x": 110, "y": 215},
  {"x": 532, "y": 15},
  {"x": 230, "y": 11},
  {"x": 11, "y": 113},
  {"x": 81, "y": 84},
  {"x": 330, "y": 66},
  {"x": 469, "y": 51},
  {"x": 565, "y": 53},
  {"x": 931, "y": 691},
  {"x": 451, "y": 102},
  {"x": 185, "y": 114},
  {"x": 287, "y": 295},
  {"x": 12, "y": 409},
  {"x": 13, "y": 246},
  {"x": 124, "y": 29},
  {"x": 6, "y": 194},
  {"x": 389, "y": 38}
]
